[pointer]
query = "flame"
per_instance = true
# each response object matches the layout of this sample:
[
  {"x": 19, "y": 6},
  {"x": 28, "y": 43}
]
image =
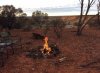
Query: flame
[
  {"x": 46, "y": 46},
  {"x": 46, "y": 42}
]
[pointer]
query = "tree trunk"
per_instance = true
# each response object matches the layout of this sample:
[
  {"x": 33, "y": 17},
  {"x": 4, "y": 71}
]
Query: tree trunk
[
  {"x": 98, "y": 19},
  {"x": 79, "y": 32}
]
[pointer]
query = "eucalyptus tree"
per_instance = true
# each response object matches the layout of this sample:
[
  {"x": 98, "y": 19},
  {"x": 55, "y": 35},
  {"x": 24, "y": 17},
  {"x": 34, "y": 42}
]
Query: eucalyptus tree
[
  {"x": 21, "y": 18},
  {"x": 7, "y": 16}
]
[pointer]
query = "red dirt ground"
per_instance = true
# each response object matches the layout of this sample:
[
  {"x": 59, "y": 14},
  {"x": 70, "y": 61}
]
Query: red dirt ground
[{"x": 78, "y": 50}]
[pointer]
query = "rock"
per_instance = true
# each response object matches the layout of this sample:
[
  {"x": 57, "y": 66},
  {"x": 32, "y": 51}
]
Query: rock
[{"x": 33, "y": 69}]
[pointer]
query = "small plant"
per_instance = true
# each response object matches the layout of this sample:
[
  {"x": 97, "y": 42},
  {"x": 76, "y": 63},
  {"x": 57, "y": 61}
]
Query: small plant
[{"x": 58, "y": 26}]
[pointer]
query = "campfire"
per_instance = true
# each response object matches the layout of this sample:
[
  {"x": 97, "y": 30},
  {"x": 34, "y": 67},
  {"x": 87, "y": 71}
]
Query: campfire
[{"x": 44, "y": 51}]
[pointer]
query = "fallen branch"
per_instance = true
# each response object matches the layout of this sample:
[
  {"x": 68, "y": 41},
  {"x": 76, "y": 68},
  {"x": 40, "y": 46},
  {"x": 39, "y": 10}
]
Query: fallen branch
[{"x": 88, "y": 64}]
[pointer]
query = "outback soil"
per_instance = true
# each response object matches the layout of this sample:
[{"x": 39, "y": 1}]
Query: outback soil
[{"x": 81, "y": 53}]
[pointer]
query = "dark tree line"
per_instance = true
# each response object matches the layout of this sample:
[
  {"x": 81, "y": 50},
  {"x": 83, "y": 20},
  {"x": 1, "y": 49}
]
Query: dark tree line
[{"x": 10, "y": 17}]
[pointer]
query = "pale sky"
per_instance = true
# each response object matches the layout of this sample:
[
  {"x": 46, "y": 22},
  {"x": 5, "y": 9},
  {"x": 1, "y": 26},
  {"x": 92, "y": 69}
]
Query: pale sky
[{"x": 52, "y": 7}]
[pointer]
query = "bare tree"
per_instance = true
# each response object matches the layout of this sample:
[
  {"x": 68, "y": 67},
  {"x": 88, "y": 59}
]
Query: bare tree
[
  {"x": 98, "y": 9},
  {"x": 83, "y": 17}
]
